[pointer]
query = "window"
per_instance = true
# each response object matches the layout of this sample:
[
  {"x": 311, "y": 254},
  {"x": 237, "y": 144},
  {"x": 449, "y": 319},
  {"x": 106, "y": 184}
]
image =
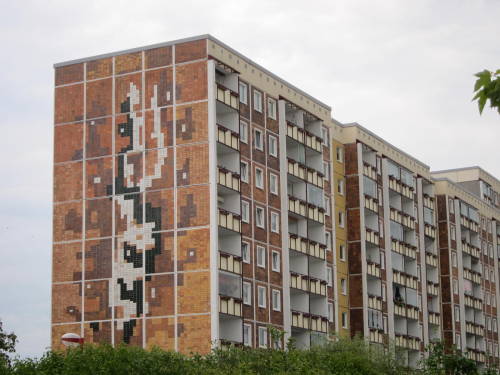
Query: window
[
  {"x": 326, "y": 139},
  {"x": 276, "y": 261},
  {"x": 326, "y": 170},
  {"x": 340, "y": 154},
  {"x": 494, "y": 325},
  {"x": 259, "y": 178},
  {"x": 328, "y": 240},
  {"x": 245, "y": 211},
  {"x": 344, "y": 320},
  {"x": 342, "y": 254},
  {"x": 455, "y": 286},
  {"x": 262, "y": 337},
  {"x": 275, "y": 222},
  {"x": 458, "y": 341},
  {"x": 327, "y": 206},
  {"x": 273, "y": 183},
  {"x": 330, "y": 312},
  {"x": 329, "y": 275},
  {"x": 457, "y": 314},
  {"x": 493, "y": 301},
  {"x": 244, "y": 171},
  {"x": 261, "y": 296},
  {"x": 451, "y": 206},
  {"x": 341, "y": 219},
  {"x": 271, "y": 108},
  {"x": 247, "y": 293},
  {"x": 454, "y": 259},
  {"x": 261, "y": 256},
  {"x": 343, "y": 286},
  {"x": 452, "y": 232},
  {"x": 340, "y": 187},
  {"x": 245, "y": 252},
  {"x": 257, "y": 100},
  {"x": 492, "y": 276},
  {"x": 273, "y": 146},
  {"x": 276, "y": 300},
  {"x": 259, "y": 217},
  {"x": 383, "y": 292},
  {"x": 258, "y": 141},
  {"x": 243, "y": 90},
  {"x": 243, "y": 132},
  {"x": 247, "y": 334}
]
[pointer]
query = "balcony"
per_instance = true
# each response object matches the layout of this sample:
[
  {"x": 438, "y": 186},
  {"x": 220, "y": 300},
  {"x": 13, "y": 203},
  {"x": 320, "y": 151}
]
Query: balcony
[
  {"x": 228, "y": 137},
  {"x": 434, "y": 318},
  {"x": 430, "y": 230},
  {"x": 375, "y": 302},
  {"x": 297, "y": 206},
  {"x": 370, "y": 171},
  {"x": 372, "y": 236},
  {"x": 429, "y": 201},
  {"x": 316, "y": 213},
  {"x": 431, "y": 259},
  {"x": 469, "y": 224},
  {"x": 230, "y": 263},
  {"x": 304, "y": 137},
  {"x": 376, "y": 336},
  {"x": 471, "y": 250},
  {"x": 230, "y": 306},
  {"x": 228, "y": 179},
  {"x": 432, "y": 288},
  {"x": 298, "y": 281},
  {"x": 405, "y": 279},
  {"x": 403, "y": 248},
  {"x": 319, "y": 324},
  {"x": 227, "y": 96},
  {"x": 408, "y": 221},
  {"x": 314, "y": 177},
  {"x": 309, "y": 322},
  {"x": 317, "y": 250},
  {"x": 300, "y": 320},
  {"x": 371, "y": 203},
  {"x": 406, "y": 311},
  {"x": 294, "y": 132},
  {"x": 395, "y": 215},
  {"x": 407, "y": 191},
  {"x": 230, "y": 221},
  {"x": 298, "y": 243},
  {"x": 474, "y": 329},
  {"x": 313, "y": 142},
  {"x": 407, "y": 342},
  {"x": 297, "y": 169},
  {"x": 317, "y": 286},
  {"x": 475, "y": 355},
  {"x": 471, "y": 275},
  {"x": 373, "y": 269},
  {"x": 473, "y": 302}
]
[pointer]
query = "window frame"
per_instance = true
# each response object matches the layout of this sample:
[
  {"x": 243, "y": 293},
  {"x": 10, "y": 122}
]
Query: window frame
[
  {"x": 262, "y": 305},
  {"x": 263, "y": 217},
  {"x": 247, "y": 301},
  {"x": 345, "y": 319},
  {"x": 249, "y": 336},
  {"x": 273, "y": 293},
  {"x": 261, "y": 249},
  {"x": 240, "y": 85},
  {"x": 339, "y": 154},
  {"x": 260, "y": 138},
  {"x": 243, "y": 130},
  {"x": 342, "y": 252},
  {"x": 272, "y": 114},
  {"x": 246, "y": 259},
  {"x": 343, "y": 286},
  {"x": 244, "y": 176},
  {"x": 275, "y": 177},
  {"x": 262, "y": 334},
  {"x": 275, "y": 142},
  {"x": 273, "y": 267},
  {"x": 275, "y": 216},
  {"x": 257, "y": 94},
  {"x": 259, "y": 185},
  {"x": 245, "y": 218}
]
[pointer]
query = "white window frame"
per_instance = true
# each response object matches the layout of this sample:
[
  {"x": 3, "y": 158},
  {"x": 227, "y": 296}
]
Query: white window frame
[
  {"x": 330, "y": 312},
  {"x": 453, "y": 232},
  {"x": 329, "y": 276},
  {"x": 244, "y": 97},
  {"x": 257, "y": 100},
  {"x": 273, "y": 190},
  {"x": 245, "y": 255},
  {"x": 339, "y": 154},
  {"x": 258, "y": 134},
  {"x": 275, "y": 293},
  {"x": 275, "y": 222},
  {"x": 259, "y": 183},
  {"x": 326, "y": 170},
  {"x": 343, "y": 286},
  {"x": 275, "y": 265},
  {"x": 244, "y": 176},
  {"x": 341, "y": 219},
  {"x": 272, "y": 113},
  {"x": 458, "y": 341},
  {"x": 327, "y": 206},
  {"x": 324, "y": 134},
  {"x": 261, "y": 303},
  {"x": 261, "y": 256},
  {"x": 262, "y": 337},
  {"x": 273, "y": 151},
  {"x": 345, "y": 319},
  {"x": 248, "y": 336},
  {"x": 248, "y": 299},
  {"x": 245, "y": 213},
  {"x": 243, "y": 131},
  {"x": 342, "y": 252},
  {"x": 262, "y": 219},
  {"x": 328, "y": 240},
  {"x": 341, "y": 187},
  {"x": 456, "y": 312}
]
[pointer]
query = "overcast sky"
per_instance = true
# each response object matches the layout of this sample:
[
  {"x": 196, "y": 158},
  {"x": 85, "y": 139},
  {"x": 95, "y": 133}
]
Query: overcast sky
[{"x": 403, "y": 69}]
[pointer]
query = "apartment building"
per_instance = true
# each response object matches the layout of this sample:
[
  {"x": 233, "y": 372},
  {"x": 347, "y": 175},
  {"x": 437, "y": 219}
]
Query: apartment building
[
  {"x": 192, "y": 201},
  {"x": 469, "y": 237}
]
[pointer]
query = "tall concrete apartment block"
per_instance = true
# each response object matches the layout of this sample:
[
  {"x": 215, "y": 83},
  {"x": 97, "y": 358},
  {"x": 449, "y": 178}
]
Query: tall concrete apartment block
[
  {"x": 200, "y": 200},
  {"x": 191, "y": 208}
]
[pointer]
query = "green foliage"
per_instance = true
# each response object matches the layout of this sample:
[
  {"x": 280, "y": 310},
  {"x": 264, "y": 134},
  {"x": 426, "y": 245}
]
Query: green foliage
[
  {"x": 439, "y": 361},
  {"x": 487, "y": 87},
  {"x": 7, "y": 345}
]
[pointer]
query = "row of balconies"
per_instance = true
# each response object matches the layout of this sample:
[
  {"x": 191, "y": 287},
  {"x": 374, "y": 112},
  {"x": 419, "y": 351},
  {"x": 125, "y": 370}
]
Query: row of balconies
[
  {"x": 308, "y": 284},
  {"x": 430, "y": 230},
  {"x": 372, "y": 236},
  {"x": 468, "y": 223},
  {"x": 406, "y": 311},
  {"x": 404, "y": 248},
  {"x": 474, "y": 329},
  {"x": 434, "y": 318},
  {"x": 375, "y": 302},
  {"x": 431, "y": 259},
  {"x": 304, "y": 137},
  {"x": 408, "y": 342},
  {"x": 228, "y": 179},
  {"x": 377, "y": 335},
  {"x": 370, "y": 171},
  {"x": 471, "y": 250},
  {"x": 471, "y": 275},
  {"x": 306, "y": 246},
  {"x": 229, "y": 220},
  {"x": 399, "y": 187},
  {"x": 227, "y": 96},
  {"x": 428, "y": 201},
  {"x": 405, "y": 279},
  {"x": 304, "y": 173},
  {"x": 432, "y": 288},
  {"x": 371, "y": 203},
  {"x": 309, "y": 322},
  {"x": 402, "y": 218},
  {"x": 228, "y": 137},
  {"x": 475, "y": 355},
  {"x": 305, "y": 209},
  {"x": 473, "y": 302},
  {"x": 230, "y": 263},
  {"x": 230, "y": 306}
]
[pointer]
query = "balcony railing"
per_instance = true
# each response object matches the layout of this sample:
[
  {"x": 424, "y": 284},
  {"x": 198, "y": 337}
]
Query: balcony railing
[
  {"x": 227, "y": 96},
  {"x": 371, "y": 203},
  {"x": 475, "y": 355},
  {"x": 309, "y": 321},
  {"x": 403, "y": 248},
  {"x": 297, "y": 206},
  {"x": 313, "y": 142},
  {"x": 399, "y": 187},
  {"x": 373, "y": 268},
  {"x": 317, "y": 286},
  {"x": 303, "y": 245},
  {"x": 229, "y": 262},
  {"x": 474, "y": 329},
  {"x": 298, "y": 281},
  {"x": 229, "y": 220},
  {"x": 475, "y": 303},
  {"x": 372, "y": 236},
  {"x": 228, "y": 137},
  {"x": 375, "y": 302},
  {"x": 370, "y": 171},
  {"x": 471, "y": 275},
  {"x": 316, "y": 213},
  {"x": 471, "y": 250},
  {"x": 431, "y": 259},
  {"x": 300, "y": 320},
  {"x": 304, "y": 137},
  {"x": 376, "y": 335},
  {"x": 314, "y": 177},
  {"x": 228, "y": 179},
  {"x": 408, "y": 342},
  {"x": 405, "y": 279},
  {"x": 230, "y": 306},
  {"x": 432, "y": 288},
  {"x": 406, "y": 311},
  {"x": 434, "y": 318},
  {"x": 469, "y": 224},
  {"x": 317, "y": 250},
  {"x": 430, "y": 230},
  {"x": 428, "y": 201}
]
